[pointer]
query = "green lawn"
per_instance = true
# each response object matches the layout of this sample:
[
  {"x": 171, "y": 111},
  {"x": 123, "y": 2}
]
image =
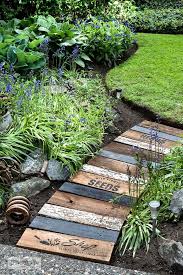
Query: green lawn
[{"x": 153, "y": 76}]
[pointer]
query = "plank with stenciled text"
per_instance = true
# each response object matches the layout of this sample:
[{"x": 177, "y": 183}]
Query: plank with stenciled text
[{"x": 66, "y": 245}]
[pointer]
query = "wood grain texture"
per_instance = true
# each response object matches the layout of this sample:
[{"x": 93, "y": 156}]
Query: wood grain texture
[
  {"x": 63, "y": 244},
  {"x": 104, "y": 172},
  {"x": 83, "y": 217},
  {"x": 121, "y": 148},
  {"x": 121, "y": 157},
  {"x": 89, "y": 205},
  {"x": 105, "y": 183},
  {"x": 163, "y": 128},
  {"x": 142, "y": 145},
  {"x": 115, "y": 165},
  {"x": 74, "y": 229},
  {"x": 160, "y": 134},
  {"x": 144, "y": 138},
  {"x": 94, "y": 193}
]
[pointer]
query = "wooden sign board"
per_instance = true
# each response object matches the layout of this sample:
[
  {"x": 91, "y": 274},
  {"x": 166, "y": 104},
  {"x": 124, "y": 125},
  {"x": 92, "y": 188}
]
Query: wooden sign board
[
  {"x": 67, "y": 245},
  {"x": 163, "y": 128},
  {"x": 82, "y": 217},
  {"x": 107, "y": 184},
  {"x": 89, "y": 205}
]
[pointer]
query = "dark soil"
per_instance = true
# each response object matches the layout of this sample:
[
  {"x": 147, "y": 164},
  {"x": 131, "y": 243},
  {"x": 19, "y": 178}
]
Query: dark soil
[{"x": 151, "y": 261}]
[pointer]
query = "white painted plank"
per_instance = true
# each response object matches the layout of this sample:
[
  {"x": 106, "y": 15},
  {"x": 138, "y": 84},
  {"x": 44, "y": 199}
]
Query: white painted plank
[
  {"x": 83, "y": 217},
  {"x": 104, "y": 172},
  {"x": 141, "y": 144}
]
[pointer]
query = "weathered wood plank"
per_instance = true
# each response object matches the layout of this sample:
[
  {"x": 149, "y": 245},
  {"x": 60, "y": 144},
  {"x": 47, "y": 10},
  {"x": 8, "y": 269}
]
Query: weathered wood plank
[
  {"x": 160, "y": 134},
  {"x": 106, "y": 183},
  {"x": 121, "y": 157},
  {"x": 104, "y": 172},
  {"x": 115, "y": 165},
  {"x": 121, "y": 148},
  {"x": 145, "y": 138},
  {"x": 83, "y": 217},
  {"x": 142, "y": 145},
  {"x": 163, "y": 128},
  {"x": 66, "y": 245},
  {"x": 89, "y": 205},
  {"x": 94, "y": 193},
  {"x": 74, "y": 229}
]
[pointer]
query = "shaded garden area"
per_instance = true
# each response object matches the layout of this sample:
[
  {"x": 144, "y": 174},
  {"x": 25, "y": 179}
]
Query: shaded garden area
[{"x": 66, "y": 89}]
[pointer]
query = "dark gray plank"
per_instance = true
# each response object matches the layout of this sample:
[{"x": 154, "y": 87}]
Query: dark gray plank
[
  {"x": 123, "y": 158},
  {"x": 74, "y": 229},
  {"x": 160, "y": 134},
  {"x": 95, "y": 193}
]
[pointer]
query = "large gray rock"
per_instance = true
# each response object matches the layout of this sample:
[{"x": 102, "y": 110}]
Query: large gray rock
[
  {"x": 5, "y": 122},
  {"x": 56, "y": 171},
  {"x": 34, "y": 162},
  {"x": 30, "y": 187},
  {"x": 176, "y": 205},
  {"x": 172, "y": 252}
]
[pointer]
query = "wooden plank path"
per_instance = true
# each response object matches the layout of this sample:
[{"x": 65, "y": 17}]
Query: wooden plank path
[{"x": 81, "y": 219}]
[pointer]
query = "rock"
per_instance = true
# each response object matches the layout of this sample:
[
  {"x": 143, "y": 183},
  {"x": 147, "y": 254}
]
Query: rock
[
  {"x": 176, "y": 205},
  {"x": 30, "y": 187},
  {"x": 57, "y": 171},
  {"x": 34, "y": 162},
  {"x": 5, "y": 122},
  {"x": 172, "y": 252},
  {"x": 112, "y": 129}
]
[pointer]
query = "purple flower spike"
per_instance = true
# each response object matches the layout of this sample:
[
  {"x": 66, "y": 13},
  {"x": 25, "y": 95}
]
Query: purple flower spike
[{"x": 8, "y": 88}]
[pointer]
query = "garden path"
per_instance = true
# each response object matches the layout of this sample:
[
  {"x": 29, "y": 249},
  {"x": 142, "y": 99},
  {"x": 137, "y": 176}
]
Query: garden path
[{"x": 79, "y": 220}]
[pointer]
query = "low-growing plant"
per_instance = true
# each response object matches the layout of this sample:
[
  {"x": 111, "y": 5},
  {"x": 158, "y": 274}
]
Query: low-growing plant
[{"x": 107, "y": 40}]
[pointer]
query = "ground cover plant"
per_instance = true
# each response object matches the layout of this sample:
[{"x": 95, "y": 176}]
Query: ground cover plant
[{"x": 153, "y": 71}]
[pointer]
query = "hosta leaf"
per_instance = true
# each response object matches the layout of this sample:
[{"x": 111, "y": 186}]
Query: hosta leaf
[
  {"x": 80, "y": 63},
  {"x": 85, "y": 57},
  {"x": 11, "y": 55}
]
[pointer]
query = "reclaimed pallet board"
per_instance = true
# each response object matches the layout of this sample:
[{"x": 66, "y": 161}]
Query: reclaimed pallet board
[
  {"x": 163, "y": 128},
  {"x": 67, "y": 245},
  {"x": 74, "y": 229},
  {"x": 106, "y": 183},
  {"x": 115, "y": 165},
  {"x": 160, "y": 134},
  {"x": 83, "y": 217},
  {"x": 124, "y": 158},
  {"x": 121, "y": 148},
  {"x": 89, "y": 205},
  {"x": 97, "y": 194},
  {"x": 142, "y": 145},
  {"x": 166, "y": 144}
]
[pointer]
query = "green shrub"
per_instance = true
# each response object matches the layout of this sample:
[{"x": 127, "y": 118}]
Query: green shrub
[
  {"x": 121, "y": 10},
  {"x": 107, "y": 40},
  {"x": 167, "y": 20}
]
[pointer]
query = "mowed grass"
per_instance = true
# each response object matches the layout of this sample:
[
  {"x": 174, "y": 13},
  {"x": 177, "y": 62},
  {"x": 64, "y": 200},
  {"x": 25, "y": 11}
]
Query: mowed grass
[{"x": 153, "y": 76}]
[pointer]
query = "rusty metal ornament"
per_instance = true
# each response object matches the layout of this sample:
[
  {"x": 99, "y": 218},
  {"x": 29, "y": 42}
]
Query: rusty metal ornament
[{"x": 18, "y": 210}]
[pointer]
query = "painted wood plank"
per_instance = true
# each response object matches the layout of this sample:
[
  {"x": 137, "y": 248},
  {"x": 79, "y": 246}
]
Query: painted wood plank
[
  {"x": 145, "y": 138},
  {"x": 121, "y": 148},
  {"x": 83, "y": 217},
  {"x": 142, "y": 145},
  {"x": 66, "y": 245},
  {"x": 115, "y": 165},
  {"x": 89, "y": 205},
  {"x": 74, "y": 229},
  {"x": 105, "y": 183},
  {"x": 104, "y": 172},
  {"x": 160, "y": 134},
  {"x": 121, "y": 157},
  {"x": 94, "y": 193},
  {"x": 163, "y": 128}
]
